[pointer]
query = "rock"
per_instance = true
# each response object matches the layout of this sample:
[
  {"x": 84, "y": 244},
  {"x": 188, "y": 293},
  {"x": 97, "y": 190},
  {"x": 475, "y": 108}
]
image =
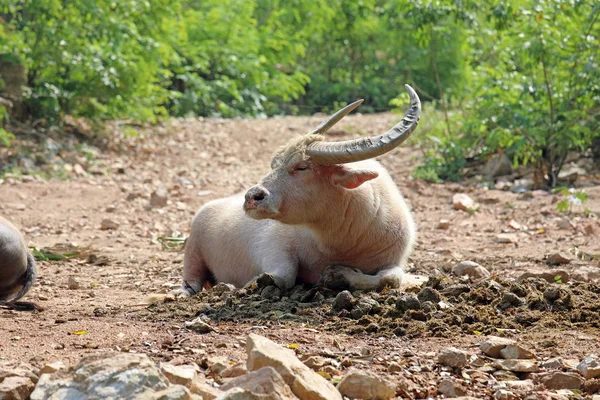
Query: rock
[
  {"x": 453, "y": 357},
  {"x": 472, "y": 269},
  {"x": 175, "y": 392},
  {"x": 558, "y": 259},
  {"x": 271, "y": 293},
  {"x": 522, "y": 185},
  {"x": 498, "y": 165},
  {"x": 74, "y": 283},
  {"x": 159, "y": 197},
  {"x": 239, "y": 394},
  {"x": 461, "y": 201},
  {"x": 510, "y": 299},
  {"x": 51, "y": 368},
  {"x": 108, "y": 224},
  {"x": 395, "y": 367},
  {"x": 456, "y": 290},
  {"x": 589, "y": 229},
  {"x": 343, "y": 301},
  {"x": 16, "y": 388},
  {"x": 514, "y": 351},
  {"x": 264, "y": 381},
  {"x": 408, "y": 302},
  {"x": 112, "y": 375},
  {"x": 506, "y": 238},
  {"x": 492, "y": 345},
  {"x": 552, "y": 363},
  {"x": 560, "y": 380},
  {"x": 179, "y": 374},
  {"x": 207, "y": 391},
  {"x": 504, "y": 394},
  {"x": 525, "y": 385},
  {"x": 565, "y": 223},
  {"x": 502, "y": 375},
  {"x": 547, "y": 275},
  {"x": 199, "y": 326},
  {"x": 443, "y": 224},
  {"x": 590, "y": 367},
  {"x": 316, "y": 362},
  {"x": 429, "y": 294},
  {"x": 358, "y": 384},
  {"x": 517, "y": 365},
  {"x": 450, "y": 388},
  {"x": 234, "y": 371},
  {"x": 503, "y": 185},
  {"x": 514, "y": 225},
  {"x": 305, "y": 383}
]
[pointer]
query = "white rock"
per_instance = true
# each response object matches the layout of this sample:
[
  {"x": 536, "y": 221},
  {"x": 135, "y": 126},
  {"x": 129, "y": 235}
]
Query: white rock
[
  {"x": 358, "y": 384},
  {"x": 305, "y": 383},
  {"x": 506, "y": 238},
  {"x": 517, "y": 365},
  {"x": 175, "y": 392},
  {"x": 525, "y": 385},
  {"x": 198, "y": 325},
  {"x": 264, "y": 381},
  {"x": 121, "y": 375},
  {"x": 204, "y": 389},
  {"x": 492, "y": 345},
  {"x": 514, "y": 352},
  {"x": 13, "y": 368},
  {"x": 461, "y": 201},
  {"x": 453, "y": 357},
  {"x": 179, "y": 374},
  {"x": 443, "y": 224},
  {"x": 560, "y": 380},
  {"x": 472, "y": 269},
  {"x": 552, "y": 363},
  {"x": 74, "y": 283},
  {"x": 450, "y": 388},
  {"x": 590, "y": 367},
  {"x": 16, "y": 388},
  {"x": 234, "y": 371},
  {"x": 503, "y": 394},
  {"x": 51, "y": 368}
]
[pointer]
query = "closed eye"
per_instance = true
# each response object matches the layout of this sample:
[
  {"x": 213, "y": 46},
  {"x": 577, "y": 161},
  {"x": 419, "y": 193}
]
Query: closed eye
[{"x": 301, "y": 168}]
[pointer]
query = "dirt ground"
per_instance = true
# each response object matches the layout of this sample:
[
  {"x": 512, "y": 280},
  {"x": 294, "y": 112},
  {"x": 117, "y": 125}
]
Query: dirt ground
[{"x": 122, "y": 270}]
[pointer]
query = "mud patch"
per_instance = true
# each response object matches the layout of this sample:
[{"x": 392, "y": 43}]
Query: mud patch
[{"x": 441, "y": 307}]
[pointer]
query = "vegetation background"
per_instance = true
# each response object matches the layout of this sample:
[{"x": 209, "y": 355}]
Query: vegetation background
[{"x": 518, "y": 77}]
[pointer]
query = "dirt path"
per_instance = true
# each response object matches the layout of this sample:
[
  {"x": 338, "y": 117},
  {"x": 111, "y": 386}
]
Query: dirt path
[{"x": 201, "y": 160}]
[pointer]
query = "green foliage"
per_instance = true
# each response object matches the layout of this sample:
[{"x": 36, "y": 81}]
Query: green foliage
[{"x": 574, "y": 198}]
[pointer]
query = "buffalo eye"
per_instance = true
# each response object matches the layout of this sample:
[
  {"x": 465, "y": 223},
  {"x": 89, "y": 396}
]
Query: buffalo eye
[{"x": 301, "y": 167}]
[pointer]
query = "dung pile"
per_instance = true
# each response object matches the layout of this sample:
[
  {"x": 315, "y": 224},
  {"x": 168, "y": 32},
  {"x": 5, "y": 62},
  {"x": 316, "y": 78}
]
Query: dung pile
[{"x": 441, "y": 307}]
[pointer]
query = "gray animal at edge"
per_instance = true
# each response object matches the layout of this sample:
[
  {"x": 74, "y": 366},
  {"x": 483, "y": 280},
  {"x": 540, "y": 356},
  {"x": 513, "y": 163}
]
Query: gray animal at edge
[
  {"x": 326, "y": 213},
  {"x": 17, "y": 265}
]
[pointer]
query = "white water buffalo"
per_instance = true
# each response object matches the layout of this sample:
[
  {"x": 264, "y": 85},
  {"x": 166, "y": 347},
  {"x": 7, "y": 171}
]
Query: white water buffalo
[
  {"x": 326, "y": 212},
  {"x": 17, "y": 266}
]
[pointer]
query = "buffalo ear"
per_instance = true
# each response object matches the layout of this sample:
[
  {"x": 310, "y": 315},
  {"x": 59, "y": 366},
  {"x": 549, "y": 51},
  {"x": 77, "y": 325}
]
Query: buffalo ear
[{"x": 352, "y": 178}]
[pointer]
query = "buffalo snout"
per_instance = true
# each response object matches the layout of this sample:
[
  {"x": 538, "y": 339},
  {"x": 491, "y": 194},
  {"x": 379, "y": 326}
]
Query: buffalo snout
[{"x": 255, "y": 196}]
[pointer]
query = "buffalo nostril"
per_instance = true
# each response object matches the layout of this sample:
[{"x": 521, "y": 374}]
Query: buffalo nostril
[{"x": 259, "y": 196}]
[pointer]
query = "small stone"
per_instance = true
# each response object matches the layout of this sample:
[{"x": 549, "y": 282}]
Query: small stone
[
  {"x": 461, "y": 201},
  {"x": 443, "y": 224},
  {"x": 565, "y": 223},
  {"x": 524, "y": 385},
  {"x": 522, "y": 185},
  {"x": 472, "y": 269},
  {"x": 51, "y": 368},
  {"x": 552, "y": 363},
  {"x": 343, "y": 301},
  {"x": 316, "y": 362},
  {"x": 74, "y": 283},
  {"x": 408, "y": 302},
  {"x": 305, "y": 383},
  {"x": 504, "y": 394},
  {"x": 108, "y": 224},
  {"x": 517, "y": 365},
  {"x": 590, "y": 367},
  {"x": 429, "y": 294},
  {"x": 502, "y": 375},
  {"x": 450, "y": 388},
  {"x": 234, "y": 371},
  {"x": 456, "y": 290},
  {"x": 199, "y": 326},
  {"x": 265, "y": 280},
  {"x": 179, "y": 374},
  {"x": 506, "y": 238},
  {"x": 79, "y": 171},
  {"x": 492, "y": 345},
  {"x": 503, "y": 185},
  {"x": 265, "y": 383},
  {"x": 207, "y": 391},
  {"x": 558, "y": 259},
  {"x": 359, "y": 384},
  {"x": 271, "y": 293},
  {"x": 453, "y": 357},
  {"x": 589, "y": 229},
  {"x": 514, "y": 351},
  {"x": 560, "y": 380},
  {"x": 16, "y": 388},
  {"x": 510, "y": 299},
  {"x": 159, "y": 197},
  {"x": 174, "y": 392},
  {"x": 514, "y": 225},
  {"x": 550, "y": 276},
  {"x": 394, "y": 367}
]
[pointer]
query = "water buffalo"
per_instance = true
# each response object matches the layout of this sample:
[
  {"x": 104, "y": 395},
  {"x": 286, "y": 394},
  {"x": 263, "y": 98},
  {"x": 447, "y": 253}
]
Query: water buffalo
[
  {"x": 325, "y": 212},
  {"x": 17, "y": 266}
]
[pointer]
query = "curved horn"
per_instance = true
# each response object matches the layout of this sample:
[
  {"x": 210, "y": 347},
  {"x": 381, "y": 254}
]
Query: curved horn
[
  {"x": 335, "y": 118},
  {"x": 362, "y": 149}
]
